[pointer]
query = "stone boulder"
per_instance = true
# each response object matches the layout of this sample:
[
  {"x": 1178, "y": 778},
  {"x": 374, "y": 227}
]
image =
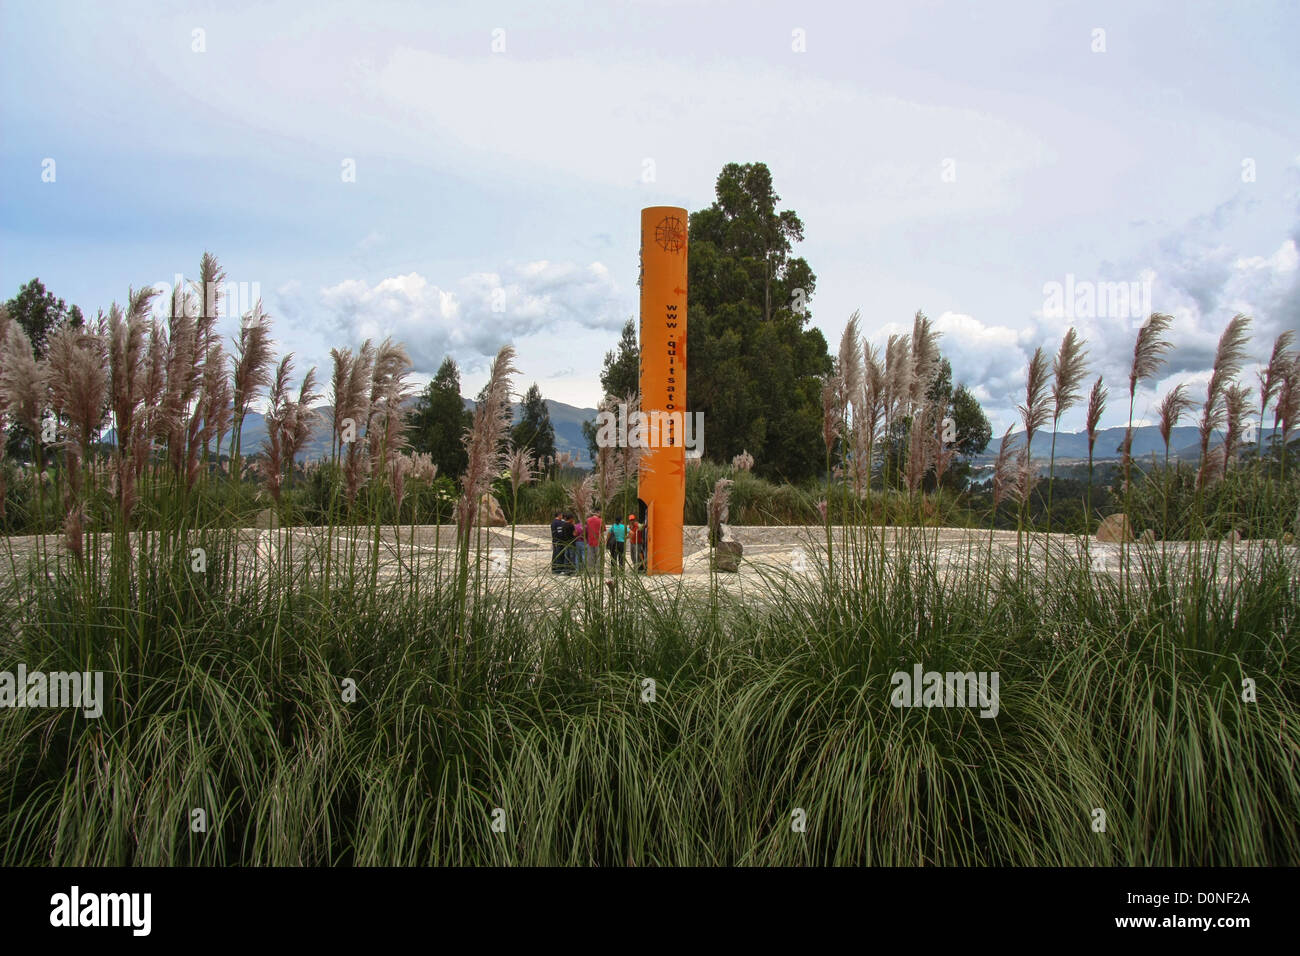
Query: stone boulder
[
  {"x": 1232, "y": 537},
  {"x": 1115, "y": 529},
  {"x": 719, "y": 534},
  {"x": 490, "y": 514},
  {"x": 1148, "y": 538},
  {"x": 726, "y": 556}
]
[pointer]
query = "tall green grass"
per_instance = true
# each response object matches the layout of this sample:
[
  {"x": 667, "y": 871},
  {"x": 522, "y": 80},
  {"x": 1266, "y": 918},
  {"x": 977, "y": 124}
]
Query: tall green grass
[
  {"x": 337, "y": 689},
  {"x": 226, "y": 694}
]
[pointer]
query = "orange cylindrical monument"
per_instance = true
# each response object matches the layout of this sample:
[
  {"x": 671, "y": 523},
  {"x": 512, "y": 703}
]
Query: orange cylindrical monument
[{"x": 661, "y": 483}]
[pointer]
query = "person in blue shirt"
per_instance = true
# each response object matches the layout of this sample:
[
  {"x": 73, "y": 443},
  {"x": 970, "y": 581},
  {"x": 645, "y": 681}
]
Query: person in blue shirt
[{"x": 618, "y": 534}]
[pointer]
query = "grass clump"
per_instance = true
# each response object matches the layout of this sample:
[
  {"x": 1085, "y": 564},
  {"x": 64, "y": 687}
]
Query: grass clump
[
  {"x": 233, "y": 700},
  {"x": 324, "y": 691}
]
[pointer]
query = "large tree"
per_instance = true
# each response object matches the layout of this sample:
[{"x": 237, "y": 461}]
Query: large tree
[
  {"x": 439, "y": 420},
  {"x": 621, "y": 373},
  {"x": 619, "y": 376},
  {"x": 535, "y": 431},
  {"x": 970, "y": 426},
  {"x": 40, "y": 312},
  {"x": 754, "y": 365}
]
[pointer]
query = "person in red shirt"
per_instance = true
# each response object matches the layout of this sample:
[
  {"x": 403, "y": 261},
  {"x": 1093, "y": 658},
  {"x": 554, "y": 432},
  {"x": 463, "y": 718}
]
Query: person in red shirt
[
  {"x": 635, "y": 539},
  {"x": 594, "y": 525}
]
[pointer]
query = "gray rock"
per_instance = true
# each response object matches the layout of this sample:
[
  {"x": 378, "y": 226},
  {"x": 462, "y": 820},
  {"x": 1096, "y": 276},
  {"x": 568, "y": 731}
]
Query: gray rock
[
  {"x": 1115, "y": 528},
  {"x": 490, "y": 514},
  {"x": 726, "y": 556}
]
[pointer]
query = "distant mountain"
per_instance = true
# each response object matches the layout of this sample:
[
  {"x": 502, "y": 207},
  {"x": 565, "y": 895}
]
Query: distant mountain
[
  {"x": 566, "y": 419},
  {"x": 253, "y": 438},
  {"x": 1184, "y": 444},
  {"x": 568, "y": 427}
]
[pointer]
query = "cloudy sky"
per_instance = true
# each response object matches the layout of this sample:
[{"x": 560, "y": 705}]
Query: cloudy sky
[{"x": 462, "y": 176}]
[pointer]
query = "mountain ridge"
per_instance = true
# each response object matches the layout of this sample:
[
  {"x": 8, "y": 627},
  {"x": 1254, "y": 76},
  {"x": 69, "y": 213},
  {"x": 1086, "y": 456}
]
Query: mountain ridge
[{"x": 567, "y": 420}]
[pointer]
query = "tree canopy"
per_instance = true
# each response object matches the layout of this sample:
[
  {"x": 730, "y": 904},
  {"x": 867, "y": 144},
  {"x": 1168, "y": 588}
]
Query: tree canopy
[
  {"x": 40, "y": 312},
  {"x": 621, "y": 373},
  {"x": 535, "y": 431},
  {"x": 439, "y": 420},
  {"x": 970, "y": 427},
  {"x": 619, "y": 376},
  {"x": 754, "y": 364}
]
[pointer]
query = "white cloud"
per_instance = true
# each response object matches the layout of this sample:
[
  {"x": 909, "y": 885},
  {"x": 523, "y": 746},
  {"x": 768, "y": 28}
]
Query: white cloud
[
  {"x": 1201, "y": 282},
  {"x": 470, "y": 319},
  {"x": 507, "y": 110}
]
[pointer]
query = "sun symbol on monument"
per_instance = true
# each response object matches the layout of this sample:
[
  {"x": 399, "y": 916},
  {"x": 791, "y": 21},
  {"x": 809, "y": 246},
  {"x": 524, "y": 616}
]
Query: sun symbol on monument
[{"x": 670, "y": 234}]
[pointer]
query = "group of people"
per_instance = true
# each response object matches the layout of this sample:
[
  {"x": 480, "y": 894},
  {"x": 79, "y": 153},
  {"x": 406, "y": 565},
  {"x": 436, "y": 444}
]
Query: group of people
[{"x": 577, "y": 544}]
